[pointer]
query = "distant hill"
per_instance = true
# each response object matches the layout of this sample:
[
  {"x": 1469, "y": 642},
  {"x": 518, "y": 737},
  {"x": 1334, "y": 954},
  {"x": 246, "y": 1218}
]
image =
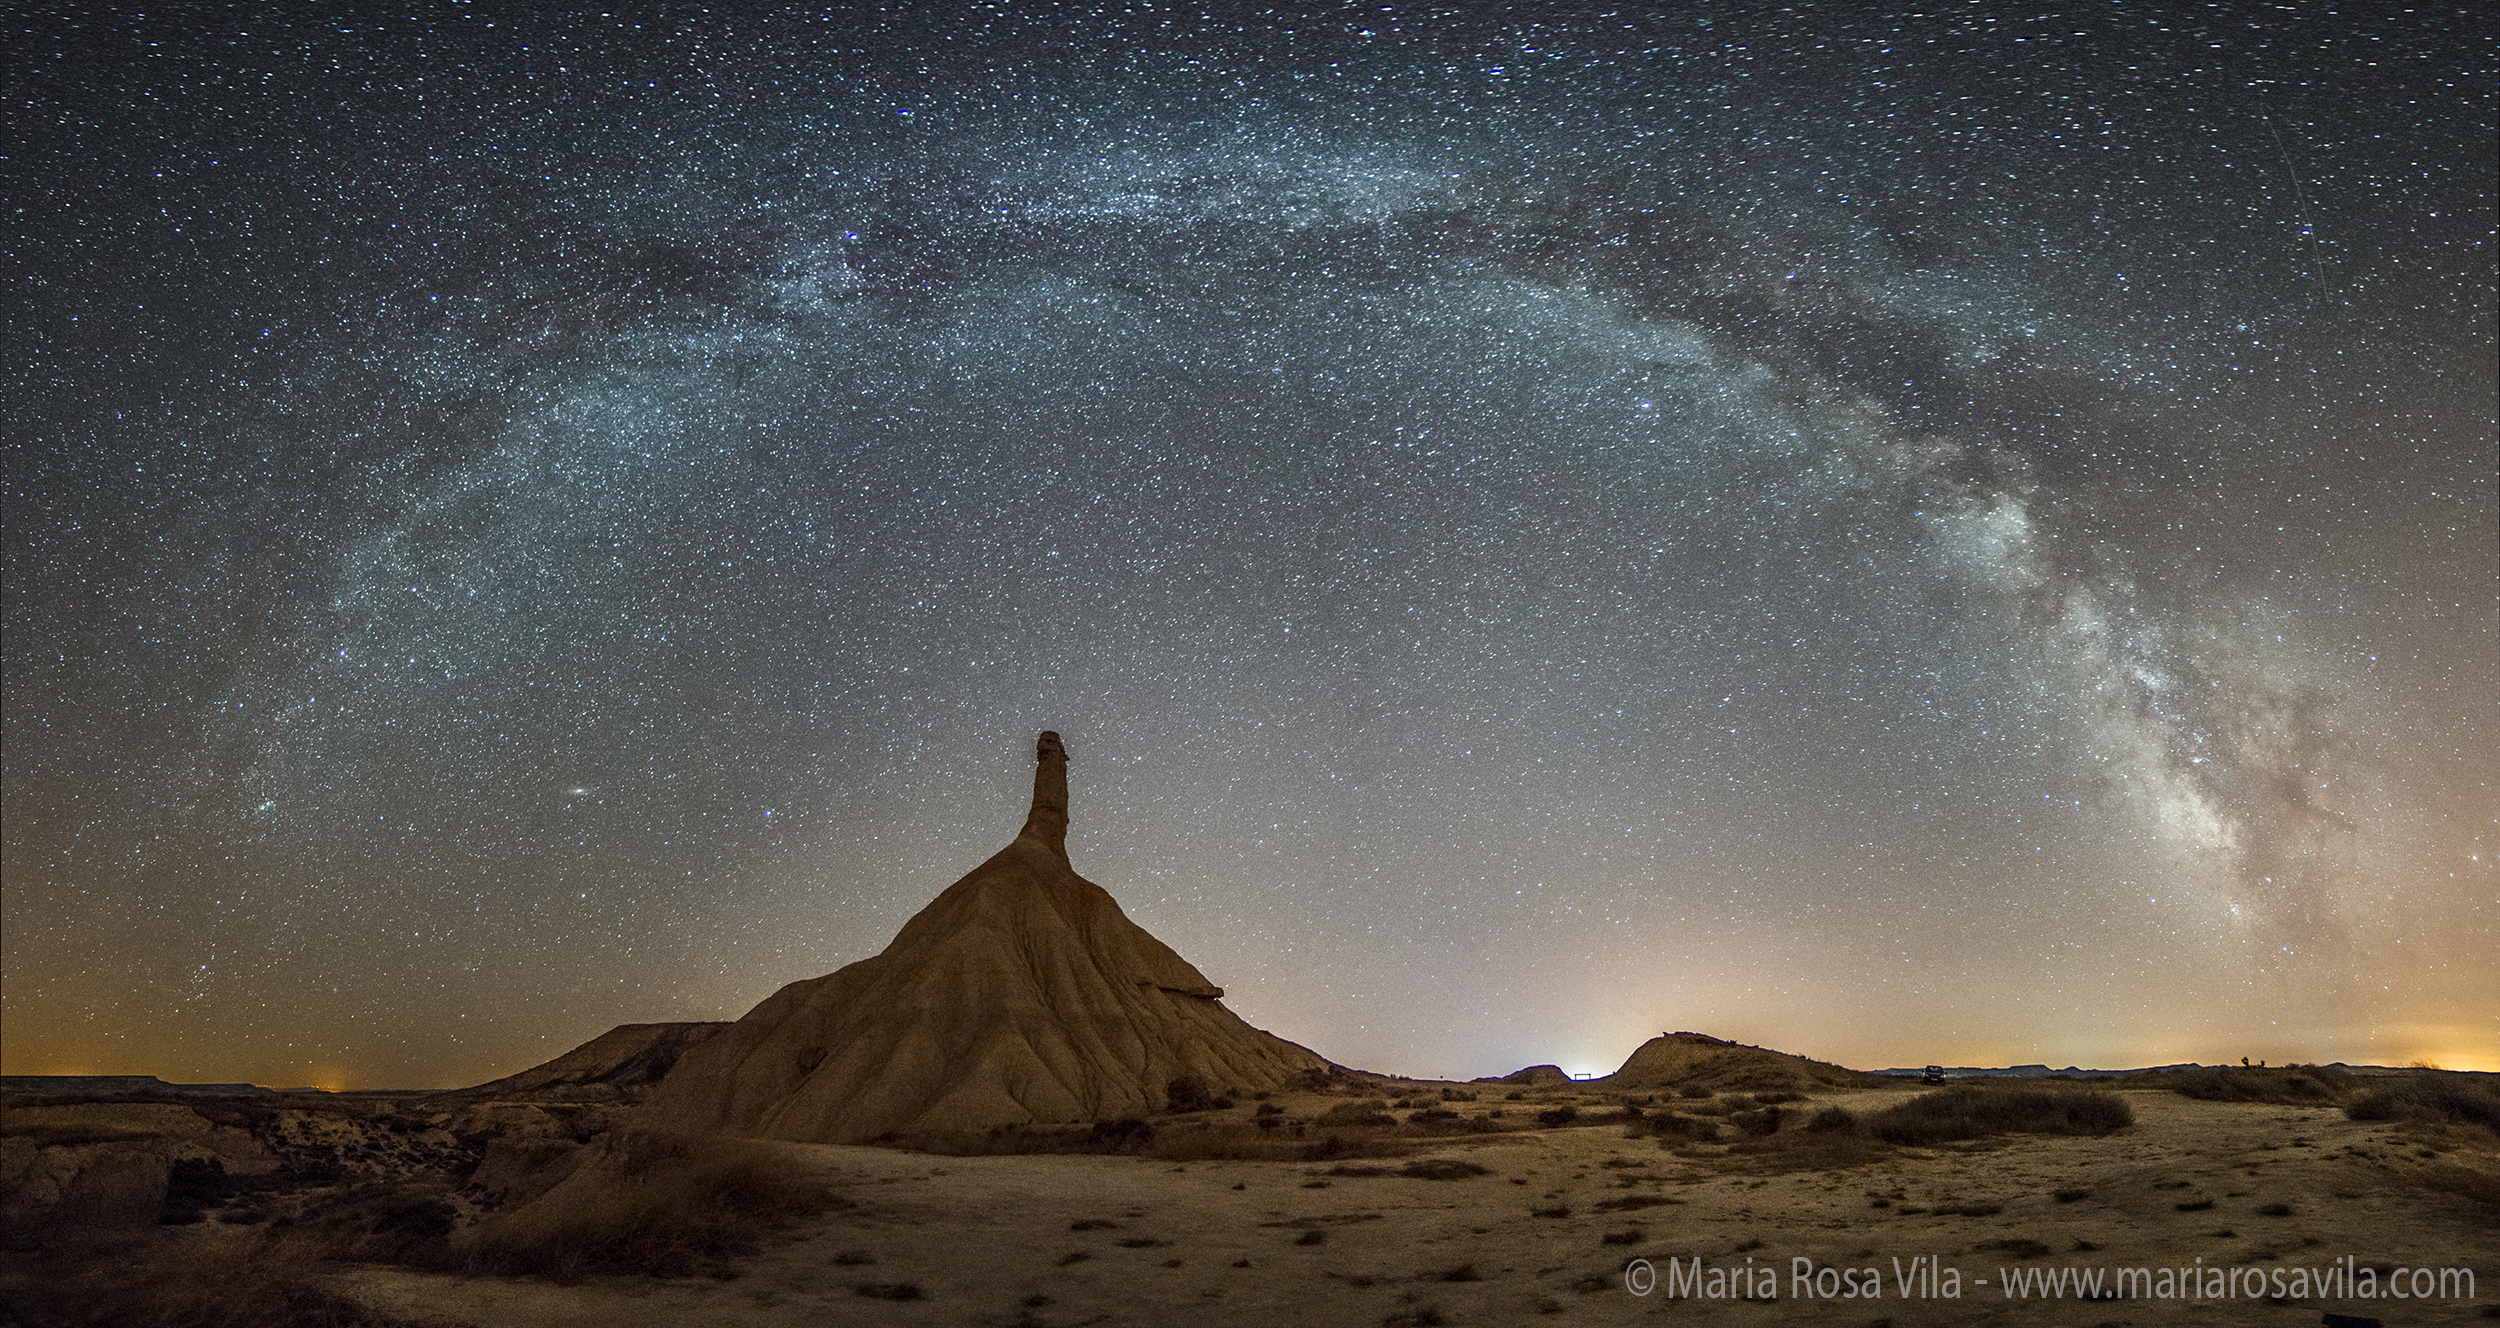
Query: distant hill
[
  {"x": 2042, "y": 1071},
  {"x": 1697, "y": 1060},
  {"x": 620, "y": 1065},
  {"x": 106, "y": 1085}
]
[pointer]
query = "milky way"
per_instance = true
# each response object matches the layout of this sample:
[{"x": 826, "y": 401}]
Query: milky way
[{"x": 1964, "y": 537}]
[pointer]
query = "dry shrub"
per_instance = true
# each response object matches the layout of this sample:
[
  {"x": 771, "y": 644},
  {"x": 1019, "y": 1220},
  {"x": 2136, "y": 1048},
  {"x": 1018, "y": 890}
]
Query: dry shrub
[
  {"x": 1370, "y": 1111},
  {"x": 1357, "y": 1129},
  {"x": 654, "y": 1204},
  {"x": 404, "y": 1222},
  {"x": 1232, "y": 1142},
  {"x": 2438, "y": 1098},
  {"x": 201, "y": 1278},
  {"x": 1970, "y": 1112},
  {"x": 2482, "y": 1187},
  {"x": 1190, "y": 1092},
  {"x": 1809, "y": 1150},
  {"x": 2283, "y": 1085},
  {"x": 1666, "y": 1126}
]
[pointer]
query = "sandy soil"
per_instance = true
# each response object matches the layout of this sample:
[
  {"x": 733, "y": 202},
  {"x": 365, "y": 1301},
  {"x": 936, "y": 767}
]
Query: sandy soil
[{"x": 991, "y": 1240}]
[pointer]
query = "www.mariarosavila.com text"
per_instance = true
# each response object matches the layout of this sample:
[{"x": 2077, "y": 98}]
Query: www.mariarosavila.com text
[{"x": 1927, "y": 1277}]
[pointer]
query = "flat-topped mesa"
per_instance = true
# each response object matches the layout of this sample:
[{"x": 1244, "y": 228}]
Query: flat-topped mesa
[{"x": 1048, "y": 821}]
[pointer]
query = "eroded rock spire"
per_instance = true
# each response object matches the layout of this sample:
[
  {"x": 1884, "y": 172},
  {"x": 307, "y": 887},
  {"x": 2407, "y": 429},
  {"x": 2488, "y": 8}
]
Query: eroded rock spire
[{"x": 1048, "y": 821}]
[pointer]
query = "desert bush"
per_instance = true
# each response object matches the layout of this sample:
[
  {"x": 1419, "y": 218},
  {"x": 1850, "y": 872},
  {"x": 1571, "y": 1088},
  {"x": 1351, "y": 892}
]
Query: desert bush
[
  {"x": 1558, "y": 1116},
  {"x": 2481, "y": 1187},
  {"x": 378, "y": 1222},
  {"x": 1760, "y": 1122},
  {"x": 660, "y": 1205},
  {"x": 1970, "y": 1112},
  {"x": 1122, "y": 1134},
  {"x": 1189, "y": 1092},
  {"x": 2287, "y": 1085},
  {"x": 1442, "y": 1168},
  {"x": 1832, "y": 1118},
  {"x": 1370, "y": 1111},
  {"x": 1668, "y": 1126},
  {"x": 1807, "y": 1150},
  {"x": 1634, "y": 1202},
  {"x": 2448, "y": 1099},
  {"x": 214, "y": 1278},
  {"x": 1234, "y": 1143}
]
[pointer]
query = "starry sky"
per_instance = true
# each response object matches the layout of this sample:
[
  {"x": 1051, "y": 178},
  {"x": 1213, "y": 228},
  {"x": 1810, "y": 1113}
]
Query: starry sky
[{"x": 1962, "y": 536}]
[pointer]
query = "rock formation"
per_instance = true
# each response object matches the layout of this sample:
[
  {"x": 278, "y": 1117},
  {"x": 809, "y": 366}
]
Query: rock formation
[
  {"x": 1697, "y": 1060},
  {"x": 621, "y": 1064},
  {"x": 1020, "y": 994}
]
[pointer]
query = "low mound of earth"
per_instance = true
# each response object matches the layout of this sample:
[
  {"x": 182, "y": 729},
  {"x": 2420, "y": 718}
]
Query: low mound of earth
[
  {"x": 621, "y": 1065},
  {"x": 1020, "y": 995},
  {"x": 1544, "y": 1233},
  {"x": 1673, "y": 1061},
  {"x": 1536, "y": 1076}
]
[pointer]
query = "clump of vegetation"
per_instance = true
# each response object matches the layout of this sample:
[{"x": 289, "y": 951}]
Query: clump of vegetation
[
  {"x": 2286, "y": 1085},
  {"x": 1189, "y": 1092},
  {"x": 660, "y": 1205},
  {"x": 216, "y": 1278},
  {"x": 1442, "y": 1168},
  {"x": 1370, "y": 1111},
  {"x": 2435, "y": 1099},
  {"x": 1830, "y": 1119},
  {"x": 2464, "y": 1182},
  {"x": 1761, "y": 1122},
  {"x": 1665, "y": 1125},
  {"x": 1971, "y": 1112}
]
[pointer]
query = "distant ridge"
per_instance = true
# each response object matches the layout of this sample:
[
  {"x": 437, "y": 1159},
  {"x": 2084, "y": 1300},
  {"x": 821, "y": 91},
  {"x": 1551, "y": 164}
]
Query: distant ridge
[
  {"x": 2042, "y": 1071},
  {"x": 623, "y": 1063},
  {"x": 117, "y": 1083}
]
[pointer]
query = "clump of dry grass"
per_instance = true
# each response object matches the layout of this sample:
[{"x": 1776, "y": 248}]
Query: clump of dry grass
[
  {"x": 1970, "y": 1112},
  {"x": 404, "y": 1222},
  {"x": 199, "y": 1278},
  {"x": 2482, "y": 1187},
  {"x": 1355, "y": 1129},
  {"x": 653, "y": 1204},
  {"x": 2435, "y": 1098},
  {"x": 2287, "y": 1085}
]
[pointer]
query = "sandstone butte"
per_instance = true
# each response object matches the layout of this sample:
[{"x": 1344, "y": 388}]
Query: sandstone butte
[{"x": 1021, "y": 994}]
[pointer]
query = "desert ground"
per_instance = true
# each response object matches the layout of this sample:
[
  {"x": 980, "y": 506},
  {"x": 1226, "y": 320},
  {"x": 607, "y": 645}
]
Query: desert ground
[{"x": 1545, "y": 1234}]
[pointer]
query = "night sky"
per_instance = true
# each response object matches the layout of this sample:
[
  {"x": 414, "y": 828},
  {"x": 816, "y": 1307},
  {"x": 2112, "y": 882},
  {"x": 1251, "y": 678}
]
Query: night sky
[{"x": 1961, "y": 537}]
